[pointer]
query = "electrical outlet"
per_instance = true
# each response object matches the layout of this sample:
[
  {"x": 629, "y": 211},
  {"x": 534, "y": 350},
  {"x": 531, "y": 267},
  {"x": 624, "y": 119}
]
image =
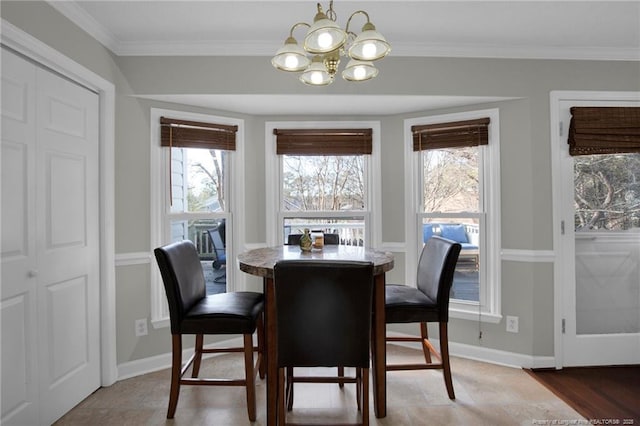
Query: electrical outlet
[
  {"x": 141, "y": 327},
  {"x": 512, "y": 324}
]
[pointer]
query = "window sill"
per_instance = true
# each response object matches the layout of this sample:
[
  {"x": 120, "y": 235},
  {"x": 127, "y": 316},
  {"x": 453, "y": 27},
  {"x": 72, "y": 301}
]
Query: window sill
[
  {"x": 160, "y": 323},
  {"x": 468, "y": 314}
]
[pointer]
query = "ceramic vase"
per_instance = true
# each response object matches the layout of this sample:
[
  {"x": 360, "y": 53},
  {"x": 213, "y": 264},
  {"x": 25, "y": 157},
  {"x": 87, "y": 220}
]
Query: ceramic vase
[{"x": 305, "y": 241}]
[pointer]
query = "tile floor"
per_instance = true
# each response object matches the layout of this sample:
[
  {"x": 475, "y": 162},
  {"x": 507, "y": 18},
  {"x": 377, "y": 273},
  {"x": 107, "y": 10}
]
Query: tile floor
[{"x": 486, "y": 394}]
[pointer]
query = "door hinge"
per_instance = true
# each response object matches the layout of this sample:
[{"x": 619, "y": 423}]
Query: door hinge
[
  {"x": 563, "y": 325},
  {"x": 562, "y": 227}
]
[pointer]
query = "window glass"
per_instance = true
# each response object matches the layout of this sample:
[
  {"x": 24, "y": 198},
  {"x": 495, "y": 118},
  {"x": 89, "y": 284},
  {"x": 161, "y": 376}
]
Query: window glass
[
  {"x": 198, "y": 189},
  {"x": 607, "y": 192},
  {"x": 197, "y": 180},
  {"x": 325, "y": 193},
  {"x": 323, "y": 183},
  {"x": 451, "y": 186},
  {"x": 451, "y": 181}
]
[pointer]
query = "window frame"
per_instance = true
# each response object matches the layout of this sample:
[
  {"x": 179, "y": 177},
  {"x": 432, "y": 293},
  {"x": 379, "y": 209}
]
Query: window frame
[
  {"x": 489, "y": 308},
  {"x": 160, "y": 210},
  {"x": 273, "y": 168}
]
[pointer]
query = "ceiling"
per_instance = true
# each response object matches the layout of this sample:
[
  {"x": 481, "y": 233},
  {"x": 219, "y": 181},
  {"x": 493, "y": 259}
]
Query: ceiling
[{"x": 605, "y": 30}]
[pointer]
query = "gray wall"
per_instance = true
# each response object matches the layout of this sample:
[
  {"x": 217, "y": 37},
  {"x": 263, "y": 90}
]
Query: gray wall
[{"x": 527, "y": 287}]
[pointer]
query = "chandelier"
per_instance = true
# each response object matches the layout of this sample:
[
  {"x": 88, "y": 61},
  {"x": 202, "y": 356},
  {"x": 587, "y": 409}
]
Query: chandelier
[{"x": 324, "y": 44}]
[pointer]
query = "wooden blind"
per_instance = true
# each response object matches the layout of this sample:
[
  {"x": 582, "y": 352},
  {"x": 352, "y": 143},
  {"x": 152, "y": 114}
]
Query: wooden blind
[
  {"x": 604, "y": 130},
  {"x": 451, "y": 135},
  {"x": 194, "y": 134},
  {"x": 323, "y": 141}
]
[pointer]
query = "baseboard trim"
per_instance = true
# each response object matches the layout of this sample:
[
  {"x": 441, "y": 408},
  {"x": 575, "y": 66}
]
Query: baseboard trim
[
  {"x": 489, "y": 355},
  {"x": 151, "y": 364},
  {"x": 462, "y": 350}
]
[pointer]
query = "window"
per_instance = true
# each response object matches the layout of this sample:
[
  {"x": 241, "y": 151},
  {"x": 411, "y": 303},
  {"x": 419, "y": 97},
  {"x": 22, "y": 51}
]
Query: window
[
  {"x": 454, "y": 161},
  {"x": 191, "y": 164},
  {"x": 323, "y": 180},
  {"x": 605, "y": 143}
]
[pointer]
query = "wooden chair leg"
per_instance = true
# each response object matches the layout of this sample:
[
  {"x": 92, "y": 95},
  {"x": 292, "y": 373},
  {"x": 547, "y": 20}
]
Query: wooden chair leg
[
  {"x": 341, "y": 374},
  {"x": 197, "y": 360},
  {"x": 425, "y": 336},
  {"x": 261, "y": 347},
  {"x": 446, "y": 366},
  {"x": 250, "y": 376},
  {"x": 289, "y": 389},
  {"x": 359, "y": 388},
  {"x": 280, "y": 401},
  {"x": 365, "y": 397},
  {"x": 176, "y": 367}
]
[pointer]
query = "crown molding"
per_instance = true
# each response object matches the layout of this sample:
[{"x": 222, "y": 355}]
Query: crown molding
[
  {"x": 268, "y": 47},
  {"x": 82, "y": 19}
]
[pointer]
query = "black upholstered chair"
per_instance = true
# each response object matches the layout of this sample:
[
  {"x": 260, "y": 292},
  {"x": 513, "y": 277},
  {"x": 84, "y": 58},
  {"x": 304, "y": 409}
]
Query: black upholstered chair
[
  {"x": 323, "y": 320},
  {"x": 191, "y": 311},
  {"x": 329, "y": 239},
  {"x": 429, "y": 302}
]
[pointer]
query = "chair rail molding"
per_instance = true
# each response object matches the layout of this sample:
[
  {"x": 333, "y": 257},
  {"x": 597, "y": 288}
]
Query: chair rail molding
[
  {"x": 518, "y": 255},
  {"x": 134, "y": 258}
]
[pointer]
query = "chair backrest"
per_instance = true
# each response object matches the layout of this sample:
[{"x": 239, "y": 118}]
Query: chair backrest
[
  {"x": 183, "y": 279},
  {"x": 217, "y": 243},
  {"x": 323, "y": 313},
  {"x": 293, "y": 239},
  {"x": 332, "y": 239},
  {"x": 436, "y": 268},
  {"x": 329, "y": 239}
]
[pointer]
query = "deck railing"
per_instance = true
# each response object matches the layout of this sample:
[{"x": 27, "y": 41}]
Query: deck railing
[
  {"x": 350, "y": 234},
  {"x": 200, "y": 237}
]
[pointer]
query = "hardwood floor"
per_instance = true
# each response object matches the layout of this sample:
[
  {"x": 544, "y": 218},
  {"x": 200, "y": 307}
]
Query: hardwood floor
[
  {"x": 598, "y": 393},
  {"x": 486, "y": 394}
]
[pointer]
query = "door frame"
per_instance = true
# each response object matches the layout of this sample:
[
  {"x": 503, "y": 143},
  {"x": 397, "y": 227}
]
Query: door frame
[
  {"x": 557, "y": 138},
  {"x": 37, "y": 51}
]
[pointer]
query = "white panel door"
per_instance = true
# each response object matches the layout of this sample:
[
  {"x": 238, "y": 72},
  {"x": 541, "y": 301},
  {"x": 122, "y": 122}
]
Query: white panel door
[
  {"x": 600, "y": 277},
  {"x": 60, "y": 272},
  {"x": 68, "y": 251},
  {"x": 19, "y": 266}
]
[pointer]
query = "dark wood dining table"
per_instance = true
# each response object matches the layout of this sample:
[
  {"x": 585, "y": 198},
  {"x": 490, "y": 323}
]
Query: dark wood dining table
[{"x": 260, "y": 262}]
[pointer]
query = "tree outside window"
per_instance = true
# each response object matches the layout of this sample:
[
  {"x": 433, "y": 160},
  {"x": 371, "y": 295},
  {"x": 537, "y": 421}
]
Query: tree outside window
[{"x": 607, "y": 192}]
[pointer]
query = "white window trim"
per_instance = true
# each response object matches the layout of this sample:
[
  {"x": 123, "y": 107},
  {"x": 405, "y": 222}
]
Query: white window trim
[
  {"x": 272, "y": 172},
  {"x": 159, "y": 191},
  {"x": 490, "y": 257}
]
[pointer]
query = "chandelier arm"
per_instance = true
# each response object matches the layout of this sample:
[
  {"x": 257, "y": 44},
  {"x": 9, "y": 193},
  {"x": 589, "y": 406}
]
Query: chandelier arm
[
  {"x": 295, "y": 26},
  {"x": 351, "y": 17},
  {"x": 331, "y": 14}
]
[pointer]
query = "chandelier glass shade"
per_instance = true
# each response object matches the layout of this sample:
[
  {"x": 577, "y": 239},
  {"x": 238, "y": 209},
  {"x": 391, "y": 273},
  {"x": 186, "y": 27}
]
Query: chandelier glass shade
[{"x": 326, "y": 42}]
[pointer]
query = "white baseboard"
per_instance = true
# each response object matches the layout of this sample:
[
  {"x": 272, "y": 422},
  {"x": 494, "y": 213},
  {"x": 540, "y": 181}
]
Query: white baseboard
[
  {"x": 462, "y": 350},
  {"x": 160, "y": 362},
  {"x": 489, "y": 355}
]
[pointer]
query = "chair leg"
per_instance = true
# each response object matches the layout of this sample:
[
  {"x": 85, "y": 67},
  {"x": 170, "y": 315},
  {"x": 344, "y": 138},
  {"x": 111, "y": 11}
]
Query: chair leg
[
  {"x": 280, "y": 401},
  {"x": 176, "y": 367},
  {"x": 365, "y": 397},
  {"x": 359, "y": 388},
  {"x": 261, "y": 347},
  {"x": 425, "y": 336},
  {"x": 289, "y": 389},
  {"x": 341, "y": 374},
  {"x": 250, "y": 376},
  {"x": 446, "y": 366},
  {"x": 197, "y": 360}
]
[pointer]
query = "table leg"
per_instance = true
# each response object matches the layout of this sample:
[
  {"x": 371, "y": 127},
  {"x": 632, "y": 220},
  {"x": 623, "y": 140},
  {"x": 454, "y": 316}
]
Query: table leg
[
  {"x": 379, "y": 349},
  {"x": 272, "y": 368}
]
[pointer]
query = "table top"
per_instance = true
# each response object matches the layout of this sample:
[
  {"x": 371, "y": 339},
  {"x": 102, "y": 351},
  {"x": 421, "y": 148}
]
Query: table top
[{"x": 260, "y": 261}]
